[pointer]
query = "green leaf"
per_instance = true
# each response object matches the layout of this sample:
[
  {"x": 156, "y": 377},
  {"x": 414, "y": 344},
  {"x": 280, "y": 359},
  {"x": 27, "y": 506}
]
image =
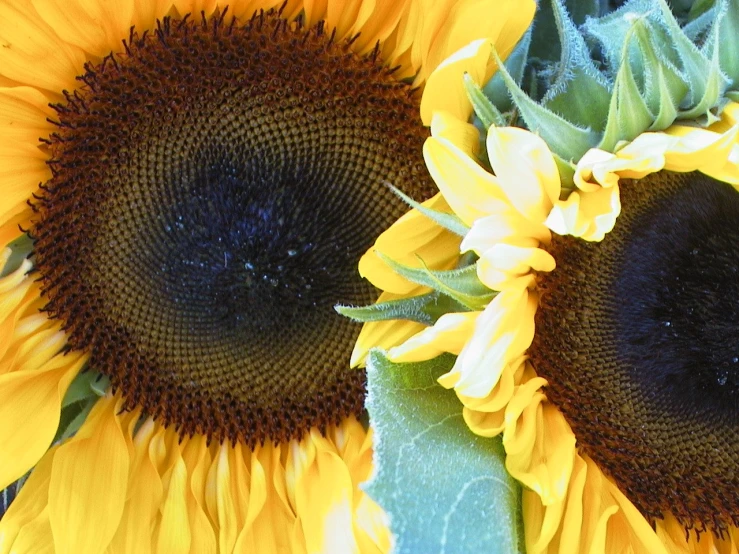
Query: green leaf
[
  {"x": 425, "y": 308},
  {"x": 444, "y": 488},
  {"x": 460, "y": 284},
  {"x": 450, "y": 222}
]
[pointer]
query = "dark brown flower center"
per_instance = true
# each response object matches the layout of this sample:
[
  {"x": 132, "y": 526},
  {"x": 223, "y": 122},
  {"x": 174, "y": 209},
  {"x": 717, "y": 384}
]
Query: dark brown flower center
[
  {"x": 638, "y": 336},
  {"x": 213, "y": 189}
]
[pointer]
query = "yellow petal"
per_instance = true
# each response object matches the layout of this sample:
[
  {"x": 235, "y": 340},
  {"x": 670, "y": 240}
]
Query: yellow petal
[
  {"x": 143, "y": 497},
  {"x": 197, "y": 457},
  {"x": 30, "y": 404},
  {"x": 174, "y": 531},
  {"x": 323, "y": 496},
  {"x": 449, "y": 334},
  {"x": 29, "y": 504},
  {"x": 412, "y": 237},
  {"x": 20, "y": 174},
  {"x": 445, "y": 91},
  {"x": 88, "y": 483},
  {"x": 539, "y": 444},
  {"x": 377, "y": 20},
  {"x": 35, "y": 537},
  {"x": 470, "y": 191},
  {"x": 31, "y": 53},
  {"x": 446, "y": 31},
  {"x": 526, "y": 170},
  {"x": 696, "y": 148},
  {"x": 94, "y": 26},
  {"x": 457, "y": 131}
]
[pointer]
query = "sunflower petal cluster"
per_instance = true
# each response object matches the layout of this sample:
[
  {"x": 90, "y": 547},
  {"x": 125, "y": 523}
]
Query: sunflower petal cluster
[
  {"x": 505, "y": 192},
  {"x": 116, "y": 481}
]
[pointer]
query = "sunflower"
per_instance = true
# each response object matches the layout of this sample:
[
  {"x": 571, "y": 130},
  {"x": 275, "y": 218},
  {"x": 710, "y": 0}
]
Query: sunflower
[
  {"x": 599, "y": 337},
  {"x": 187, "y": 187}
]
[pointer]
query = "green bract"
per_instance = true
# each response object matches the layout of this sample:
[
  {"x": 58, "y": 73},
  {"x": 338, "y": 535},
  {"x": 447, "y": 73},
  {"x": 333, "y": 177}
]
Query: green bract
[{"x": 639, "y": 68}]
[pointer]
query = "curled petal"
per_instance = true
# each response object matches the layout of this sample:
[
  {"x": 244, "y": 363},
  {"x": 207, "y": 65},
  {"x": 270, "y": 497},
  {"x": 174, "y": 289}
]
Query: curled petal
[
  {"x": 502, "y": 333},
  {"x": 588, "y": 215},
  {"x": 526, "y": 170},
  {"x": 507, "y": 266}
]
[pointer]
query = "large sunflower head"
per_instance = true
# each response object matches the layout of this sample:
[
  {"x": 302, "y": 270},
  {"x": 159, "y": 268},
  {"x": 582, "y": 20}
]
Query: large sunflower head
[
  {"x": 187, "y": 188},
  {"x": 582, "y": 267}
]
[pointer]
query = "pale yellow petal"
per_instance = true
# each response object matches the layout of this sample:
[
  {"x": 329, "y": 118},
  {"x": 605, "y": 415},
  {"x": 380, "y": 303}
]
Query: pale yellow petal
[
  {"x": 506, "y": 266},
  {"x": 503, "y": 332},
  {"x": 526, "y": 170},
  {"x": 469, "y": 190},
  {"x": 449, "y": 334},
  {"x": 30, "y": 405},
  {"x": 509, "y": 228},
  {"x": 31, "y": 53},
  {"x": 88, "y": 483},
  {"x": 587, "y": 215}
]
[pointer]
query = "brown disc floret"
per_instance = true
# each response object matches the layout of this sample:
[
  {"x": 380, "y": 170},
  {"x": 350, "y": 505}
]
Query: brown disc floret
[
  {"x": 213, "y": 189},
  {"x": 638, "y": 336}
]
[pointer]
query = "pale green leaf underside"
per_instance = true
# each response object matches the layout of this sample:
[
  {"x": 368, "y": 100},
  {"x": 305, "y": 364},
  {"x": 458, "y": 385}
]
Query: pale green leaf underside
[{"x": 445, "y": 489}]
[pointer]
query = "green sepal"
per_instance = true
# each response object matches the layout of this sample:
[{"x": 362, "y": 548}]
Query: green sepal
[
  {"x": 87, "y": 384},
  {"x": 461, "y": 284},
  {"x": 86, "y": 389},
  {"x": 578, "y": 91},
  {"x": 450, "y": 222},
  {"x": 611, "y": 31},
  {"x": 425, "y": 308},
  {"x": 628, "y": 114},
  {"x": 443, "y": 488},
  {"x": 567, "y": 140},
  {"x": 495, "y": 89},
  {"x": 705, "y": 83},
  {"x": 727, "y": 23},
  {"x": 21, "y": 248},
  {"x": 664, "y": 87},
  {"x": 72, "y": 418},
  {"x": 485, "y": 110}
]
